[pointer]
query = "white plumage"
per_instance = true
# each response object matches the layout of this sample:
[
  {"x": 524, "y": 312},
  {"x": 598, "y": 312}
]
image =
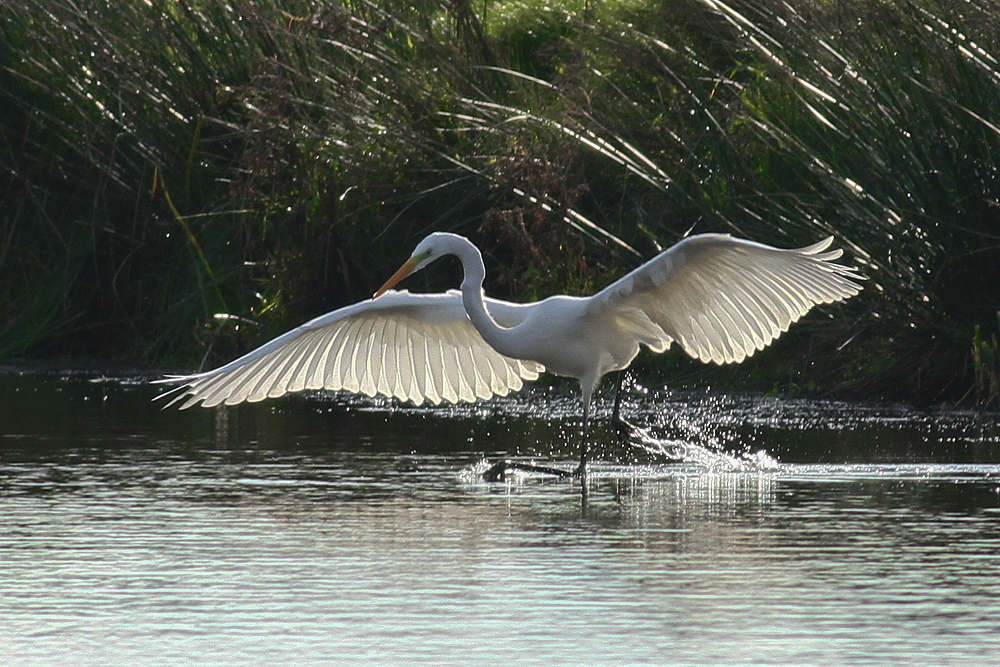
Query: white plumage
[
  {"x": 721, "y": 299},
  {"x": 414, "y": 347}
]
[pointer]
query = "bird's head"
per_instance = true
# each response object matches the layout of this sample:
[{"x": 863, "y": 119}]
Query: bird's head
[{"x": 433, "y": 247}]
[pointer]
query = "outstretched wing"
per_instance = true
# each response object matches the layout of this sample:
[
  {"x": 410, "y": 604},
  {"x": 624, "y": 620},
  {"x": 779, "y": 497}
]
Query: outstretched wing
[
  {"x": 721, "y": 298},
  {"x": 414, "y": 347}
]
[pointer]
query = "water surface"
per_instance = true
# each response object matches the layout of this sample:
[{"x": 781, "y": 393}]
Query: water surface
[{"x": 335, "y": 530}]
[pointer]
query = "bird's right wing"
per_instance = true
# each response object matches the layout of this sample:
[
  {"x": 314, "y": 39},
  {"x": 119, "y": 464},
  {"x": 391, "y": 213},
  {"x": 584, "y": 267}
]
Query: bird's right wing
[
  {"x": 722, "y": 298},
  {"x": 415, "y": 347}
]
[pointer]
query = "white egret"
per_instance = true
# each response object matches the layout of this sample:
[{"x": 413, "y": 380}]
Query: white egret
[{"x": 720, "y": 298}]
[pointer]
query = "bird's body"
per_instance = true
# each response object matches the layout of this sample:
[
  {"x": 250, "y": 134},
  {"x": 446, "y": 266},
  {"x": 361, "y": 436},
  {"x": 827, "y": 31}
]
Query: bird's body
[{"x": 721, "y": 299}]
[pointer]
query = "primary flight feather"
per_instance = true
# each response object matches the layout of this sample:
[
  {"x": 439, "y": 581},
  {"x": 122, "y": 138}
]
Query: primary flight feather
[{"x": 721, "y": 299}]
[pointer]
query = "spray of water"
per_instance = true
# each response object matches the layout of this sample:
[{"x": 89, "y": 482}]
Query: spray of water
[{"x": 706, "y": 451}]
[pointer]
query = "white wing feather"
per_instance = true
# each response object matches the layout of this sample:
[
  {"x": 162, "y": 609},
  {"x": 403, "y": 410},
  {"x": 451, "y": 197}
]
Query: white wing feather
[
  {"x": 414, "y": 347},
  {"x": 722, "y": 299}
]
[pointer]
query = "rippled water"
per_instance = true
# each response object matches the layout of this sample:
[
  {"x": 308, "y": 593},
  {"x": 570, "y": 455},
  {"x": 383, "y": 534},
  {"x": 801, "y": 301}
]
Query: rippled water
[{"x": 355, "y": 532}]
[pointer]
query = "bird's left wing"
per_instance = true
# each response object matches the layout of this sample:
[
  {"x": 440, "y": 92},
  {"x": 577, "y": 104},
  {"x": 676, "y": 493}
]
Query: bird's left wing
[
  {"x": 414, "y": 347},
  {"x": 722, "y": 298}
]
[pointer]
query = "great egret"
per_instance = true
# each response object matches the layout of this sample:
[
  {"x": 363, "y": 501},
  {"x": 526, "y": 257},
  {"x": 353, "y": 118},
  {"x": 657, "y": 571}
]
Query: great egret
[{"x": 720, "y": 298}]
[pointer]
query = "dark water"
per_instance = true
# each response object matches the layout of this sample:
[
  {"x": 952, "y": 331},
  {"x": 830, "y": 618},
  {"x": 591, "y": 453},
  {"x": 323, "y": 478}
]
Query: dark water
[{"x": 355, "y": 532}]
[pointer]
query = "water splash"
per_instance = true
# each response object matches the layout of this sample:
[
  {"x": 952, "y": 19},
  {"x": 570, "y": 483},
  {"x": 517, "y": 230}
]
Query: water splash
[{"x": 712, "y": 455}]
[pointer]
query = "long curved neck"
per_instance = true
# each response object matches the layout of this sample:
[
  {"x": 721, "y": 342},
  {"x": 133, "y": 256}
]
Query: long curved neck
[{"x": 498, "y": 337}]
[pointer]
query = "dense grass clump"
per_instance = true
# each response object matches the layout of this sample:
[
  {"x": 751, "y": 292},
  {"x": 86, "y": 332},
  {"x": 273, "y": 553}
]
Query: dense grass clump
[{"x": 187, "y": 177}]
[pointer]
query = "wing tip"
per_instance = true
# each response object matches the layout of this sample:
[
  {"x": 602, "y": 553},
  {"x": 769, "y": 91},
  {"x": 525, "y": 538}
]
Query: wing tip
[
  {"x": 176, "y": 395},
  {"x": 820, "y": 246}
]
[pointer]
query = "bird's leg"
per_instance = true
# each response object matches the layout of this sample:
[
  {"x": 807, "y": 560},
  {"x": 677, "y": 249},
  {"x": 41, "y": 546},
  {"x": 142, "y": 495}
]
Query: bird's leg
[
  {"x": 625, "y": 428},
  {"x": 498, "y": 470},
  {"x": 581, "y": 472},
  {"x": 616, "y": 412}
]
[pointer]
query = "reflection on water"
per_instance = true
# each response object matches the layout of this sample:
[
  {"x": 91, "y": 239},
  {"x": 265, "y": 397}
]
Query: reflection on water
[{"x": 306, "y": 532}]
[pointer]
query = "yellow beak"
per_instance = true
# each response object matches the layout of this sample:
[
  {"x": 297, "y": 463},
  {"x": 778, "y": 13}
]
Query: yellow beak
[{"x": 405, "y": 270}]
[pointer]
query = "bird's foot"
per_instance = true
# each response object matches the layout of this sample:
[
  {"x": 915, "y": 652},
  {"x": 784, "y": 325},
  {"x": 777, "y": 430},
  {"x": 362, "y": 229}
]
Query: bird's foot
[{"x": 498, "y": 471}]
